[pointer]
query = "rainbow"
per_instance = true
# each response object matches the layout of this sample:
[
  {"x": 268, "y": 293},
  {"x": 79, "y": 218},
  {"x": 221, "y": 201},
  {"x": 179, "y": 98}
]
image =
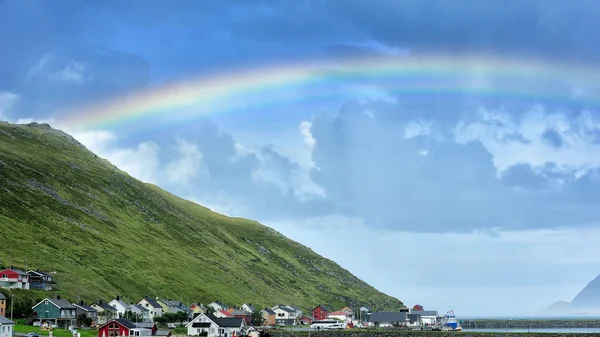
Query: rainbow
[{"x": 310, "y": 83}]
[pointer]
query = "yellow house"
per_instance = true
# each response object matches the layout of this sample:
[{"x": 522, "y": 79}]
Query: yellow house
[
  {"x": 164, "y": 304},
  {"x": 2, "y": 305},
  {"x": 197, "y": 308}
]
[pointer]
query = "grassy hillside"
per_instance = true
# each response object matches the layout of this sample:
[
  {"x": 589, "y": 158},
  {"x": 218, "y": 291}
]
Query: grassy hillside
[{"x": 64, "y": 209}]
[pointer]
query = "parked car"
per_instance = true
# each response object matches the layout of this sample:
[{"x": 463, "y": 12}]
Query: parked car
[{"x": 32, "y": 334}]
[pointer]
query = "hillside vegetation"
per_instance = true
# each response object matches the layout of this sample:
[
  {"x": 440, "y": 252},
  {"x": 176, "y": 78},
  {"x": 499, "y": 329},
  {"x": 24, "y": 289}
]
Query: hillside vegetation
[{"x": 64, "y": 209}]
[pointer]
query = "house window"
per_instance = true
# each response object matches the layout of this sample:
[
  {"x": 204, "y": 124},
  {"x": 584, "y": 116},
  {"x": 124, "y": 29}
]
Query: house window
[{"x": 113, "y": 330}]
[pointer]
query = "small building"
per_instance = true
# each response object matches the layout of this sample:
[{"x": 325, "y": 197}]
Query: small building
[
  {"x": 384, "y": 319},
  {"x": 223, "y": 314},
  {"x": 7, "y": 327},
  {"x": 105, "y": 311},
  {"x": 147, "y": 325},
  {"x": 141, "y": 312},
  {"x": 269, "y": 316},
  {"x": 284, "y": 315},
  {"x": 342, "y": 315},
  {"x": 117, "y": 328},
  {"x": 243, "y": 314},
  {"x": 428, "y": 317},
  {"x": 2, "y": 305},
  {"x": 217, "y": 306},
  {"x": 120, "y": 306},
  {"x": 14, "y": 279},
  {"x": 57, "y": 311},
  {"x": 305, "y": 320},
  {"x": 41, "y": 280},
  {"x": 414, "y": 320},
  {"x": 214, "y": 326},
  {"x": 198, "y": 308},
  {"x": 248, "y": 307},
  {"x": 320, "y": 312},
  {"x": 88, "y": 311},
  {"x": 154, "y": 309}
]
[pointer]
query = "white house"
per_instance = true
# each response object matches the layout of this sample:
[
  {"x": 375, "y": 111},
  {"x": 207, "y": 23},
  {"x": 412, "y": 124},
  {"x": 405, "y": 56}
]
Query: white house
[
  {"x": 216, "y": 306},
  {"x": 427, "y": 317},
  {"x": 120, "y": 306},
  {"x": 142, "y": 312},
  {"x": 248, "y": 307},
  {"x": 6, "y": 327},
  {"x": 284, "y": 315},
  {"x": 154, "y": 309},
  {"x": 214, "y": 326}
]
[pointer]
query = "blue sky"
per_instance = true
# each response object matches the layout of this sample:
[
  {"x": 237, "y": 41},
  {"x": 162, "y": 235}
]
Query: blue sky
[{"x": 456, "y": 202}]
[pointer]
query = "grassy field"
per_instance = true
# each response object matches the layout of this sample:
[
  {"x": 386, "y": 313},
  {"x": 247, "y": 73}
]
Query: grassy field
[
  {"x": 56, "y": 332},
  {"x": 65, "y": 210}
]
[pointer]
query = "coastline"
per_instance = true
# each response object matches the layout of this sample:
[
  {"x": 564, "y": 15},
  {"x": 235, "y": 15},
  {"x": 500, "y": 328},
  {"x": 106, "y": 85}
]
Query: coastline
[{"x": 528, "y": 324}]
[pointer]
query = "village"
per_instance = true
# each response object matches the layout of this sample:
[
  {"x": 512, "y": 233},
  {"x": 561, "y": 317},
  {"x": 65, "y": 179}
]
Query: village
[{"x": 155, "y": 316}]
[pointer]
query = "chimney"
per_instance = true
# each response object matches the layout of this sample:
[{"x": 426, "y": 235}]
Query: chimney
[
  {"x": 58, "y": 297},
  {"x": 99, "y": 301},
  {"x": 81, "y": 302},
  {"x": 118, "y": 298}
]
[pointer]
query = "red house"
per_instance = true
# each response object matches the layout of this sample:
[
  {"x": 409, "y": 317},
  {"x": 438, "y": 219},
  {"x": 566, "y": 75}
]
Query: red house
[
  {"x": 116, "y": 328},
  {"x": 305, "y": 320},
  {"x": 14, "y": 278},
  {"x": 320, "y": 312}
]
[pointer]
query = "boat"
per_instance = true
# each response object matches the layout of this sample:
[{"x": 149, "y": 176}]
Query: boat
[{"x": 449, "y": 322}]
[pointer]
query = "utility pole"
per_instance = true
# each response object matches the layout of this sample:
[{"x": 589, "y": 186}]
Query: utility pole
[{"x": 12, "y": 301}]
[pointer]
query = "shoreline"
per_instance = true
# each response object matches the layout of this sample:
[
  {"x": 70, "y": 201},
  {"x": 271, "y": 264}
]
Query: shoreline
[{"x": 553, "y": 323}]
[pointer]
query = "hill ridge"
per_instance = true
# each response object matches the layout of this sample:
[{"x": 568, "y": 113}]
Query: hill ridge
[{"x": 106, "y": 234}]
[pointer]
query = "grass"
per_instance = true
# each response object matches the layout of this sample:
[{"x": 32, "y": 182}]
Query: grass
[
  {"x": 104, "y": 233},
  {"x": 55, "y": 332}
]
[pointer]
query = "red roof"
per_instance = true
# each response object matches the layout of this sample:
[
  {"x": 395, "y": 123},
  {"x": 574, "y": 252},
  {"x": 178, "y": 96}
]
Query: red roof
[
  {"x": 226, "y": 313},
  {"x": 340, "y": 313}
]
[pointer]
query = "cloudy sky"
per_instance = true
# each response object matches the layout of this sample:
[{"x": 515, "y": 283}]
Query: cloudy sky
[{"x": 447, "y": 198}]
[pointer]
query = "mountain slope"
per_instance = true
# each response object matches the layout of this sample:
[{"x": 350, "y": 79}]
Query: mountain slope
[
  {"x": 589, "y": 297},
  {"x": 64, "y": 209}
]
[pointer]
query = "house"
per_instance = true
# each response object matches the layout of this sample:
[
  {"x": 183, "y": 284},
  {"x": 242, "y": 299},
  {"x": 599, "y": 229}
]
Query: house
[
  {"x": 14, "y": 279},
  {"x": 40, "y": 280},
  {"x": 222, "y": 314},
  {"x": 2, "y": 305},
  {"x": 119, "y": 327},
  {"x": 320, "y": 312},
  {"x": 216, "y": 306},
  {"x": 296, "y": 309},
  {"x": 214, "y": 326},
  {"x": 142, "y": 313},
  {"x": 7, "y": 327},
  {"x": 341, "y": 315},
  {"x": 197, "y": 308},
  {"x": 88, "y": 311},
  {"x": 363, "y": 313},
  {"x": 414, "y": 320},
  {"x": 57, "y": 311},
  {"x": 171, "y": 306},
  {"x": 428, "y": 317},
  {"x": 385, "y": 319},
  {"x": 154, "y": 309},
  {"x": 120, "y": 306},
  {"x": 105, "y": 311},
  {"x": 269, "y": 316},
  {"x": 147, "y": 325},
  {"x": 248, "y": 307},
  {"x": 305, "y": 320},
  {"x": 284, "y": 315},
  {"x": 243, "y": 314}
]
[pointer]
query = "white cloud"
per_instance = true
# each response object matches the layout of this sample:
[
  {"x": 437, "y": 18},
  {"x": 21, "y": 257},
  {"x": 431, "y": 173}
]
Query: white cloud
[
  {"x": 7, "y": 101},
  {"x": 514, "y": 139},
  {"x": 39, "y": 66},
  {"x": 72, "y": 72},
  {"x": 304, "y": 129},
  {"x": 187, "y": 164}
]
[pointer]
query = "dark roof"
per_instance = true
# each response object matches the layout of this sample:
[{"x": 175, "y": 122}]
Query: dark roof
[
  {"x": 141, "y": 307},
  {"x": 152, "y": 302},
  {"x": 250, "y": 306},
  {"x": 200, "y": 325},
  {"x": 105, "y": 306},
  {"x": 162, "y": 333},
  {"x": 322, "y": 307},
  {"x": 4, "y": 320},
  {"x": 269, "y": 311},
  {"x": 85, "y": 307},
  {"x": 229, "y": 322},
  {"x": 388, "y": 317},
  {"x": 413, "y": 318},
  {"x": 124, "y": 322},
  {"x": 145, "y": 325},
  {"x": 41, "y": 273},
  {"x": 240, "y": 312},
  {"x": 2, "y": 296},
  {"x": 425, "y": 313},
  {"x": 61, "y": 304}
]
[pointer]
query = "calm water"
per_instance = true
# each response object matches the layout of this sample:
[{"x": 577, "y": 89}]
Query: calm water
[{"x": 566, "y": 330}]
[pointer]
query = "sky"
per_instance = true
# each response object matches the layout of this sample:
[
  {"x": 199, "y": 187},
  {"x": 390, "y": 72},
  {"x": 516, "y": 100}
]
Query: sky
[{"x": 476, "y": 192}]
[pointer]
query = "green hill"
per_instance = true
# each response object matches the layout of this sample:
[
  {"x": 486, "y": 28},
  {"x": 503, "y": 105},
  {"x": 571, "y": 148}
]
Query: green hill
[{"x": 64, "y": 209}]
